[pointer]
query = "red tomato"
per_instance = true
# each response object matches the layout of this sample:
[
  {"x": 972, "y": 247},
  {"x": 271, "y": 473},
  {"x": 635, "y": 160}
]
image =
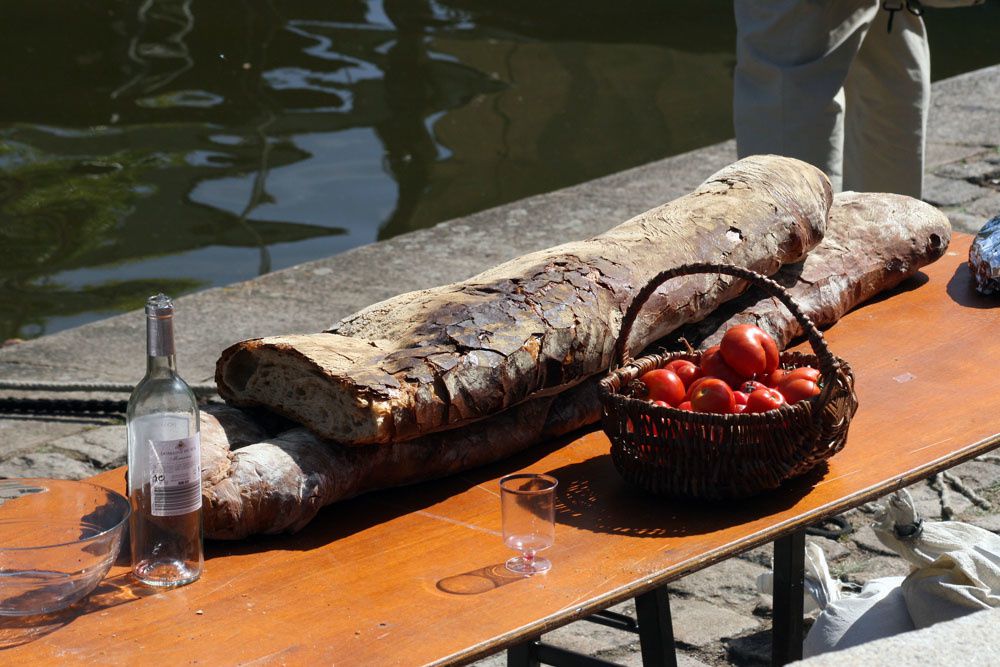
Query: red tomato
[
  {"x": 684, "y": 405},
  {"x": 765, "y": 399},
  {"x": 806, "y": 372},
  {"x": 749, "y": 350},
  {"x": 741, "y": 397},
  {"x": 662, "y": 404},
  {"x": 741, "y": 407},
  {"x": 750, "y": 386},
  {"x": 694, "y": 385},
  {"x": 799, "y": 383},
  {"x": 713, "y": 365},
  {"x": 687, "y": 371},
  {"x": 795, "y": 389},
  {"x": 663, "y": 385},
  {"x": 774, "y": 378},
  {"x": 713, "y": 395}
]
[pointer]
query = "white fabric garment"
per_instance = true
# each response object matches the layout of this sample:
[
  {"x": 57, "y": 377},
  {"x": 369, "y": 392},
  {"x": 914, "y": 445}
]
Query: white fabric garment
[{"x": 826, "y": 82}]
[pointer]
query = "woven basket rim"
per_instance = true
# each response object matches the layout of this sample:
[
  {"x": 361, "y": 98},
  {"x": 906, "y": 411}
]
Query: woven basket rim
[{"x": 661, "y": 359}]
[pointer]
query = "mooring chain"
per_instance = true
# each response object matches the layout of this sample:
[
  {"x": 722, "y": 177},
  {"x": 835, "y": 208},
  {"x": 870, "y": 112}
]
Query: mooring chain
[{"x": 64, "y": 406}]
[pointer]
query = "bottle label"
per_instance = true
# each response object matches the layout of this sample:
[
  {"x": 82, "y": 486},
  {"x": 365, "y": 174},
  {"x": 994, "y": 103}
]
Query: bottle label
[{"x": 175, "y": 475}]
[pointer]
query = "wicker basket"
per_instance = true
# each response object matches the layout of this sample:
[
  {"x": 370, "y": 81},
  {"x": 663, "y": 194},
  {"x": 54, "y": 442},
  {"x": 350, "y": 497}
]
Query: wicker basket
[{"x": 684, "y": 454}]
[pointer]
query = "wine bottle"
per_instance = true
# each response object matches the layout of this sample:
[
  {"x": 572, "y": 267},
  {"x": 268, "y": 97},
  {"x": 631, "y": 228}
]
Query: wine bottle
[{"x": 164, "y": 462}]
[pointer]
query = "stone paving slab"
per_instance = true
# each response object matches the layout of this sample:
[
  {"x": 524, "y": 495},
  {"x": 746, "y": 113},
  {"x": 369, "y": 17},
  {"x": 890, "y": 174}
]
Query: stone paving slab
[
  {"x": 26, "y": 433},
  {"x": 963, "y": 161}
]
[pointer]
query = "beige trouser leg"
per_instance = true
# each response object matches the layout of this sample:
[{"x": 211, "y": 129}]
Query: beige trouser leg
[
  {"x": 795, "y": 79},
  {"x": 888, "y": 91}
]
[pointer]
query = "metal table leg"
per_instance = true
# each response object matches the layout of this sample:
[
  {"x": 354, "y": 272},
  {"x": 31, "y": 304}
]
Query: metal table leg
[
  {"x": 535, "y": 653},
  {"x": 653, "y": 625},
  {"x": 523, "y": 655},
  {"x": 656, "y": 630},
  {"x": 789, "y": 566},
  {"x": 613, "y": 619}
]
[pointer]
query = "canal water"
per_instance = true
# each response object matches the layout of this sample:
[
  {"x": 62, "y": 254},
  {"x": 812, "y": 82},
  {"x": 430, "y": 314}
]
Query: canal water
[{"x": 176, "y": 145}]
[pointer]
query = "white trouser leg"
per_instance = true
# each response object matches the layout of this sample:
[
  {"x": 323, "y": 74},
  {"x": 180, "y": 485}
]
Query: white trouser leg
[
  {"x": 793, "y": 57},
  {"x": 887, "y": 95}
]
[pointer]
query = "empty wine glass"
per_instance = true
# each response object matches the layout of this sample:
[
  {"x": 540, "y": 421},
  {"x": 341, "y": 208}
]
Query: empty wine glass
[{"x": 527, "y": 505}]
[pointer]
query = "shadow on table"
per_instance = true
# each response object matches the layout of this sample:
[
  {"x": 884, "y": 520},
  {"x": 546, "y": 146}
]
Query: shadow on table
[
  {"x": 962, "y": 289},
  {"x": 348, "y": 517},
  {"x": 593, "y": 496},
  {"x": 481, "y": 580},
  {"x": 112, "y": 592},
  {"x": 917, "y": 280}
]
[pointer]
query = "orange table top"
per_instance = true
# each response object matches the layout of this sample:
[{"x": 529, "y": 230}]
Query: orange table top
[{"x": 416, "y": 575}]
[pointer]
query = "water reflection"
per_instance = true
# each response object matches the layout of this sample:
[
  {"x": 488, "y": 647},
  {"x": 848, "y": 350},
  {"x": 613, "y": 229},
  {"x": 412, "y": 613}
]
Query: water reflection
[
  {"x": 418, "y": 86},
  {"x": 179, "y": 144},
  {"x": 160, "y": 52}
]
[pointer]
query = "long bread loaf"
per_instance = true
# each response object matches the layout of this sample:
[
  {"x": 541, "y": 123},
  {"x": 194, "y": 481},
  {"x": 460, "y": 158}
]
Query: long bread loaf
[{"x": 873, "y": 243}]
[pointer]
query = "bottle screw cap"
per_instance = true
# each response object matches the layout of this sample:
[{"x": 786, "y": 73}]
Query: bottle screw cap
[{"x": 159, "y": 306}]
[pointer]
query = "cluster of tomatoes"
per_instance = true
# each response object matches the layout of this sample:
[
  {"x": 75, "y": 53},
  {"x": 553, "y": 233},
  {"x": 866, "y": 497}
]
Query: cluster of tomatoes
[{"x": 740, "y": 374}]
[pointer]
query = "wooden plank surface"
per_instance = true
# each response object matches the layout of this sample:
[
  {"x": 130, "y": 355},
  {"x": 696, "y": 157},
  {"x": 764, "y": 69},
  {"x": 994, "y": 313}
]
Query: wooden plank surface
[{"x": 415, "y": 575}]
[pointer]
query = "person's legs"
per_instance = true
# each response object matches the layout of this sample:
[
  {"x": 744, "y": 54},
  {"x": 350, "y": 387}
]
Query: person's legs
[
  {"x": 792, "y": 57},
  {"x": 888, "y": 93}
]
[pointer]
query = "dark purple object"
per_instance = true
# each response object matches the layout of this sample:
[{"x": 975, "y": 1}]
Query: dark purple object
[{"x": 984, "y": 257}]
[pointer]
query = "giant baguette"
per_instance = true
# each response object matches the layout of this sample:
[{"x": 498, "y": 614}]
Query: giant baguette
[
  {"x": 445, "y": 357},
  {"x": 872, "y": 244}
]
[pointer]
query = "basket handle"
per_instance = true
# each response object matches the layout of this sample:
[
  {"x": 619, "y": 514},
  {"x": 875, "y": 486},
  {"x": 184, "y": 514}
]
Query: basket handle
[{"x": 827, "y": 362}]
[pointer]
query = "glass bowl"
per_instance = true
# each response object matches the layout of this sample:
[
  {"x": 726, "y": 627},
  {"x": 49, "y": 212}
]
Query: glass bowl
[{"x": 58, "y": 538}]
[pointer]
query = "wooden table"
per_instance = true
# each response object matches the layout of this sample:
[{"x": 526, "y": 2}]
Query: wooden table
[{"x": 415, "y": 575}]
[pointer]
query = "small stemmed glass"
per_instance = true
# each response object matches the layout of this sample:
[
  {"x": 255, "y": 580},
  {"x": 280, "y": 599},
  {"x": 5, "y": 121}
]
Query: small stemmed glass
[{"x": 527, "y": 504}]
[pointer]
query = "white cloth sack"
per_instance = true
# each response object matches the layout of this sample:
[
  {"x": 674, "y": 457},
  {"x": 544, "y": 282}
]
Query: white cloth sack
[
  {"x": 957, "y": 565},
  {"x": 956, "y": 572},
  {"x": 898, "y": 527},
  {"x": 956, "y": 584},
  {"x": 878, "y": 611}
]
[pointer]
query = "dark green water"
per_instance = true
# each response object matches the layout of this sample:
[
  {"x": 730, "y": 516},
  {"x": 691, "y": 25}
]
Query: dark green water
[{"x": 177, "y": 144}]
